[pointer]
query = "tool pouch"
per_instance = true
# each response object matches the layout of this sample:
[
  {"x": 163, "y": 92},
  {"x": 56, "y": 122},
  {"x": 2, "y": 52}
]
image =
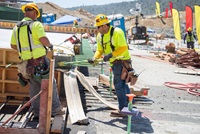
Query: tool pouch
[
  {"x": 132, "y": 78},
  {"x": 127, "y": 64},
  {"x": 124, "y": 73},
  {"x": 30, "y": 67},
  {"x": 23, "y": 82}
]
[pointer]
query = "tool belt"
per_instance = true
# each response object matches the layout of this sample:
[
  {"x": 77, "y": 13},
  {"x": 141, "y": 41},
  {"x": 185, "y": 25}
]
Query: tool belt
[
  {"x": 128, "y": 72},
  {"x": 38, "y": 68},
  {"x": 32, "y": 63}
]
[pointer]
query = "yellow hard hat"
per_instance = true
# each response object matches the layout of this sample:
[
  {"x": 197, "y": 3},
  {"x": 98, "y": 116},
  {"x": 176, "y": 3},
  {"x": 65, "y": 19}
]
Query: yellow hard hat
[
  {"x": 31, "y": 5},
  {"x": 101, "y": 19},
  {"x": 189, "y": 29}
]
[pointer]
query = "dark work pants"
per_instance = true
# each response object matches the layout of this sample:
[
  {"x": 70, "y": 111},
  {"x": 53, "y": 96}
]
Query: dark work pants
[
  {"x": 121, "y": 87},
  {"x": 190, "y": 45}
]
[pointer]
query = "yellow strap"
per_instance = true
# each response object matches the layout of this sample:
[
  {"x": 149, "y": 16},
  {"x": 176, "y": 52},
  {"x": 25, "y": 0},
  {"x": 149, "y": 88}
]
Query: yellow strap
[
  {"x": 120, "y": 50},
  {"x": 98, "y": 54}
]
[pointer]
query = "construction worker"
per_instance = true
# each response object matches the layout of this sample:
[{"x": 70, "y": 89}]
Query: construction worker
[
  {"x": 112, "y": 43},
  {"x": 189, "y": 37},
  {"x": 29, "y": 38},
  {"x": 75, "y": 23}
]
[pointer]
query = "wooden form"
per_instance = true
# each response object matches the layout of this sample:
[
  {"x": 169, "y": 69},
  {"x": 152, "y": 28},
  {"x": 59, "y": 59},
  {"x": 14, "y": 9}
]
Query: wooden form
[
  {"x": 45, "y": 108},
  {"x": 9, "y": 86}
]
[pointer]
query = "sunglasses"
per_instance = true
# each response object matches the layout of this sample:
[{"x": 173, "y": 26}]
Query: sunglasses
[
  {"x": 29, "y": 9},
  {"x": 101, "y": 18},
  {"x": 99, "y": 27}
]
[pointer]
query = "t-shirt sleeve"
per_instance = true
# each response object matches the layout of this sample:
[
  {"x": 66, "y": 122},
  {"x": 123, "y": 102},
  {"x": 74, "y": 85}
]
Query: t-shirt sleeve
[
  {"x": 39, "y": 30},
  {"x": 13, "y": 39}
]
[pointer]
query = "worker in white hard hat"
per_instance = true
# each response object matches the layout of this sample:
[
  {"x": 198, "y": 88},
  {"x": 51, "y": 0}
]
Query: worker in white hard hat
[
  {"x": 29, "y": 38},
  {"x": 189, "y": 37}
]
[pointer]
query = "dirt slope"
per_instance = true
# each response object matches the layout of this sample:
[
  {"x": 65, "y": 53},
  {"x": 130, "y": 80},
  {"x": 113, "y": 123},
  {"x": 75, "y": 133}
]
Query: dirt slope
[{"x": 49, "y": 7}]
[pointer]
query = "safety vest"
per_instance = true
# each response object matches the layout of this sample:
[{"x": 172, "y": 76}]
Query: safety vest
[
  {"x": 190, "y": 38},
  {"x": 110, "y": 42},
  {"x": 32, "y": 46}
]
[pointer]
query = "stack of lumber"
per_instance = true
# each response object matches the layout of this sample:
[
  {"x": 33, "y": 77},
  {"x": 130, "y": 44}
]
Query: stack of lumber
[
  {"x": 183, "y": 57},
  {"x": 187, "y": 57}
]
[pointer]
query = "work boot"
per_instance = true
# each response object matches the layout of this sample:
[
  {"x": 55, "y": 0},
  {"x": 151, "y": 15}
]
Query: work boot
[
  {"x": 117, "y": 113},
  {"x": 60, "y": 112}
]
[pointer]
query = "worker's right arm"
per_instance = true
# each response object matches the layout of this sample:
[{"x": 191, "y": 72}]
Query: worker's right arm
[
  {"x": 45, "y": 41},
  {"x": 40, "y": 32}
]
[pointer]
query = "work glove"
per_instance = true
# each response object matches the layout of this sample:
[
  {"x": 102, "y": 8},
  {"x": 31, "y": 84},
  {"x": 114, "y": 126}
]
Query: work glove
[
  {"x": 51, "y": 47},
  {"x": 107, "y": 57},
  {"x": 93, "y": 61}
]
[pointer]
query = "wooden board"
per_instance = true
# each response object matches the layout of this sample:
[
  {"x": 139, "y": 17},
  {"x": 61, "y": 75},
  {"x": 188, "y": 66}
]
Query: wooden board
[
  {"x": 74, "y": 103},
  {"x": 90, "y": 88},
  {"x": 139, "y": 90},
  {"x": 187, "y": 72},
  {"x": 105, "y": 80},
  {"x": 58, "y": 122}
]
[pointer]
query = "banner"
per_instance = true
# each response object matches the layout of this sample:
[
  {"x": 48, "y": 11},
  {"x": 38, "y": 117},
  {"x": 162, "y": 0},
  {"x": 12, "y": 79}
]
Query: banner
[
  {"x": 176, "y": 23},
  {"x": 170, "y": 7},
  {"x": 188, "y": 17},
  {"x": 158, "y": 8},
  {"x": 166, "y": 13},
  {"x": 197, "y": 21}
]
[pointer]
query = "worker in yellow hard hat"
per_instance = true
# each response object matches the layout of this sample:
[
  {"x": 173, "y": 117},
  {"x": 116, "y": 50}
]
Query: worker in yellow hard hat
[
  {"x": 31, "y": 7},
  {"x": 29, "y": 39},
  {"x": 111, "y": 43},
  {"x": 189, "y": 37},
  {"x": 75, "y": 23}
]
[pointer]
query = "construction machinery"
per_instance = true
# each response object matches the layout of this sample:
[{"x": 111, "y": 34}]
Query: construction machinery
[{"x": 137, "y": 32}]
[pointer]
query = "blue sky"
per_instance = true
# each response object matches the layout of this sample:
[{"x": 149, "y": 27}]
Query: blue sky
[{"x": 74, "y": 3}]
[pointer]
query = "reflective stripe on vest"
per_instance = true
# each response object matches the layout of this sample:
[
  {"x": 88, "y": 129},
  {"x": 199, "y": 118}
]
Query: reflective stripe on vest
[
  {"x": 33, "y": 46},
  {"x": 189, "y": 38}
]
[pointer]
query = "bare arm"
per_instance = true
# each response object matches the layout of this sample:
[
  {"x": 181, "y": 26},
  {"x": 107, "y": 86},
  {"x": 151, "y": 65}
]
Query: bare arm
[{"x": 45, "y": 41}]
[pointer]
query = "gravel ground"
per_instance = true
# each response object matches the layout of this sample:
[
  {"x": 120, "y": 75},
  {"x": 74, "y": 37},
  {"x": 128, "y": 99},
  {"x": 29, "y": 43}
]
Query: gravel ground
[{"x": 173, "y": 111}]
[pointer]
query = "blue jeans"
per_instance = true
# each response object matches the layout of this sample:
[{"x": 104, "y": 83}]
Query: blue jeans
[{"x": 121, "y": 87}]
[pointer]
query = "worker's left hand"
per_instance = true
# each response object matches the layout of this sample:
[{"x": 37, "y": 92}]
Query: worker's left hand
[
  {"x": 107, "y": 57},
  {"x": 93, "y": 61}
]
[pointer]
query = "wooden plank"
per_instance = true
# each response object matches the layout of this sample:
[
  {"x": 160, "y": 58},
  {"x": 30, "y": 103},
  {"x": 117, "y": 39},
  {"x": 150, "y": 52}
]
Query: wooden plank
[
  {"x": 105, "y": 80},
  {"x": 43, "y": 106},
  {"x": 139, "y": 90},
  {"x": 58, "y": 123},
  {"x": 81, "y": 132},
  {"x": 74, "y": 103},
  {"x": 90, "y": 88},
  {"x": 186, "y": 72},
  {"x": 18, "y": 131},
  {"x": 46, "y": 101}
]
